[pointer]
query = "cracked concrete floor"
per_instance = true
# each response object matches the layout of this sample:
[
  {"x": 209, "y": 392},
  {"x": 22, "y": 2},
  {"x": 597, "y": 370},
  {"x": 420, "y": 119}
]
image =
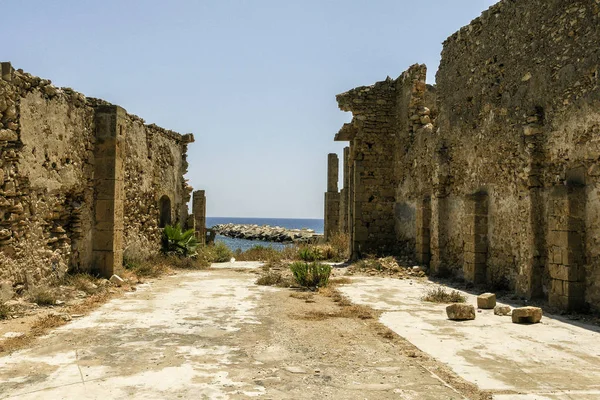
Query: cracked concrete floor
[
  {"x": 553, "y": 360},
  {"x": 215, "y": 335}
]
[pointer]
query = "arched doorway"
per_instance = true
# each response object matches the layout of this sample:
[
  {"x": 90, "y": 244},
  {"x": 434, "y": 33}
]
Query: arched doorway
[{"x": 164, "y": 205}]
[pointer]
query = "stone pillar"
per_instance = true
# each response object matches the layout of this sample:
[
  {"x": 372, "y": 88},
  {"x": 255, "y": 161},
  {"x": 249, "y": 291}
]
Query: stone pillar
[
  {"x": 439, "y": 213},
  {"x": 351, "y": 204},
  {"x": 199, "y": 211},
  {"x": 344, "y": 195},
  {"x": 333, "y": 166},
  {"x": 566, "y": 238},
  {"x": 107, "y": 244},
  {"x": 476, "y": 243},
  {"x": 423, "y": 234},
  {"x": 359, "y": 232},
  {"x": 332, "y": 197}
]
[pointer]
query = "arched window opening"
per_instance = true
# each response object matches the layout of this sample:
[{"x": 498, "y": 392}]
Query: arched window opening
[{"x": 164, "y": 205}]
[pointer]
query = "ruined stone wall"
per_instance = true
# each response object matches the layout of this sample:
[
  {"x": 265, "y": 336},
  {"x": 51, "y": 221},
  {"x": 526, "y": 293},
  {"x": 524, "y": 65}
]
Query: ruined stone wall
[
  {"x": 495, "y": 170},
  {"x": 519, "y": 101},
  {"x": 155, "y": 163},
  {"x": 372, "y": 134},
  {"x": 64, "y": 188},
  {"x": 46, "y": 163}
]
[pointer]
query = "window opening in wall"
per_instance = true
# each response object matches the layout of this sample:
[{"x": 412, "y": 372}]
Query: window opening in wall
[{"x": 164, "y": 206}]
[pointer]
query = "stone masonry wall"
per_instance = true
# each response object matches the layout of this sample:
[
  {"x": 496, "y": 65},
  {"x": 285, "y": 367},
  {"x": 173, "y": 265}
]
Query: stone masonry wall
[
  {"x": 60, "y": 178},
  {"x": 495, "y": 169}
]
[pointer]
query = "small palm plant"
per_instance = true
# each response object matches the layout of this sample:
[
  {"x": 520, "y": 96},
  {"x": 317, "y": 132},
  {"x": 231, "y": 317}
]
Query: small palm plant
[{"x": 176, "y": 242}]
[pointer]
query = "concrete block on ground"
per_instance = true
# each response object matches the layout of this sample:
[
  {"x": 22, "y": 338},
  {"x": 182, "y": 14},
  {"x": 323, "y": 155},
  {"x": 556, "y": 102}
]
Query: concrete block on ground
[
  {"x": 486, "y": 301},
  {"x": 460, "y": 312},
  {"x": 527, "y": 315}
]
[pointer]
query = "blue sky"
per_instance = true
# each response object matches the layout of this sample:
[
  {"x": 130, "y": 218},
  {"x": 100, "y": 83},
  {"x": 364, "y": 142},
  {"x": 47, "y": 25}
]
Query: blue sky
[{"x": 255, "y": 81}]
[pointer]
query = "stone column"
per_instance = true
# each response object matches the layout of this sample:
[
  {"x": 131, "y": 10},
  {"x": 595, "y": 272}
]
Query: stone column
[
  {"x": 333, "y": 166},
  {"x": 107, "y": 244},
  {"x": 423, "y": 235},
  {"x": 476, "y": 243},
  {"x": 566, "y": 238},
  {"x": 344, "y": 195},
  {"x": 199, "y": 211},
  {"x": 332, "y": 197}
]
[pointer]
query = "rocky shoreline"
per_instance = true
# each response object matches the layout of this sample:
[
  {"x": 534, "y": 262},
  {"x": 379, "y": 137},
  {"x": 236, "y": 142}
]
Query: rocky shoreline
[{"x": 266, "y": 233}]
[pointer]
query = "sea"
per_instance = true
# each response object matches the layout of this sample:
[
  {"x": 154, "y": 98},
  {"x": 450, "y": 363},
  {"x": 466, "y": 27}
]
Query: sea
[{"x": 289, "y": 223}]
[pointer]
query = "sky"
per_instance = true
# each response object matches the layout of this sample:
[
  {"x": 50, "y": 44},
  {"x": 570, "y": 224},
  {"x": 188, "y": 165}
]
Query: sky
[{"x": 253, "y": 80}]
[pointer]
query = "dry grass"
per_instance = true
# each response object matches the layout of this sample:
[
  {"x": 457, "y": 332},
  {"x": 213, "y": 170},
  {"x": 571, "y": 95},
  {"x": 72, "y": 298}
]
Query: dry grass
[
  {"x": 340, "y": 281},
  {"x": 346, "y": 308},
  {"x": 340, "y": 243},
  {"x": 301, "y": 295},
  {"x": 271, "y": 278},
  {"x": 83, "y": 282},
  {"x": 42, "y": 296},
  {"x": 440, "y": 295},
  {"x": 259, "y": 253}
]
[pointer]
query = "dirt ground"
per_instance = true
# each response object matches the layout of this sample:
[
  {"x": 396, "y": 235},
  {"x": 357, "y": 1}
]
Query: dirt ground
[{"x": 215, "y": 334}]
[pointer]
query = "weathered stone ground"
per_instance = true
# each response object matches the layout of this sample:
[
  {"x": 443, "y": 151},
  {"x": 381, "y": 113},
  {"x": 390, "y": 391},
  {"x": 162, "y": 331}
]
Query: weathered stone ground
[
  {"x": 215, "y": 334},
  {"x": 555, "y": 359}
]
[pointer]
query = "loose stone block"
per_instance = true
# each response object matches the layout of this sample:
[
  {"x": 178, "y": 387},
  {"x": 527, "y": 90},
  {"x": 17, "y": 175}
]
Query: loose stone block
[
  {"x": 502, "y": 310},
  {"x": 527, "y": 315},
  {"x": 116, "y": 280},
  {"x": 486, "y": 301},
  {"x": 460, "y": 312}
]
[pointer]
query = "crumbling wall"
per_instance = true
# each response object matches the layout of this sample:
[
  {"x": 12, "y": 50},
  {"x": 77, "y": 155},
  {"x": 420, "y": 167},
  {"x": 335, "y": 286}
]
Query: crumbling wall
[
  {"x": 46, "y": 162},
  {"x": 372, "y": 199},
  {"x": 71, "y": 170},
  {"x": 155, "y": 163},
  {"x": 495, "y": 170}
]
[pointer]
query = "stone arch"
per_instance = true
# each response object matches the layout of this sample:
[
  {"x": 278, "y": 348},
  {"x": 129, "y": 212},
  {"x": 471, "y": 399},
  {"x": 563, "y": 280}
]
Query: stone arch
[{"x": 164, "y": 208}]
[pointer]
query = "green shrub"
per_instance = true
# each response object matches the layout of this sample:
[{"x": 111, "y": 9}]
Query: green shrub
[
  {"x": 176, "y": 242},
  {"x": 311, "y": 275},
  {"x": 221, "y": 253},
  {"x": 310, "y": 253}
]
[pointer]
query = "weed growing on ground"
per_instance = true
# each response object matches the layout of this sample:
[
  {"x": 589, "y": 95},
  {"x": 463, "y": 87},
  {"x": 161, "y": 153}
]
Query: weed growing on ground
[
  {"x": 340, "y": 244},
  {"x": 368, "y": 263},
  {"x": 313, "y": 275},
  {"x": 310, "y": 253},
  {"x": 220, "y": 252},
  {"x": 440, "y": 295},
  {"x": 4, "y": 311},
  {"x": 269, "y": 279},
  {"x": 82, "y": 282},
  {"x": 259, "y": 253},
  {"x": 42, "y": 296}
]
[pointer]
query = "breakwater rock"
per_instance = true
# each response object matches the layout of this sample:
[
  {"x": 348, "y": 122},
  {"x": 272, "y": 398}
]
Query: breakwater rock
[{"x": 266, "y": 233}]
